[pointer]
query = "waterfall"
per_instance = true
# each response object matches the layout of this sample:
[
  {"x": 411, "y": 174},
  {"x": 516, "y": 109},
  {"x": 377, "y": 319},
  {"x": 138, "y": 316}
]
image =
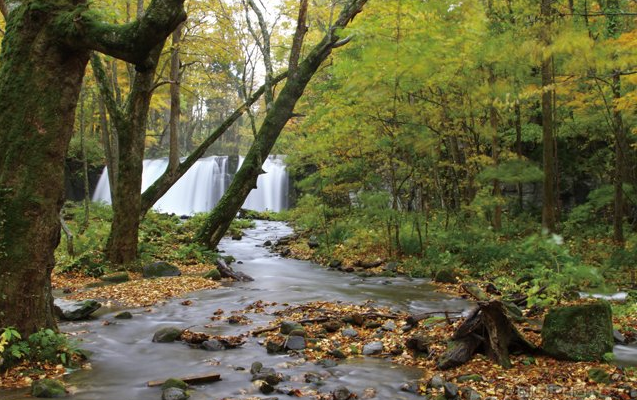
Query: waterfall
[{"x": 200, "y": 189}]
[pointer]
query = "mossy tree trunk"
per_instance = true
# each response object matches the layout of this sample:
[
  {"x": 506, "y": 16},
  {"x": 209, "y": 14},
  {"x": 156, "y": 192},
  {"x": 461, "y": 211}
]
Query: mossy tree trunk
[
  {"x": 42, "y": 63},
  {"x": 275, "y": 120}
]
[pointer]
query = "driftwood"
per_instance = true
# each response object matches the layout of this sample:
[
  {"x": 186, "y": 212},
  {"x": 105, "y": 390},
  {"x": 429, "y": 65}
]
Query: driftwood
[
  {"x": 191, "y": 380},
  {"x": 227, "y": 272},
  {"x": 414, "y": 319},
  {"x": 488, "y": 329}
]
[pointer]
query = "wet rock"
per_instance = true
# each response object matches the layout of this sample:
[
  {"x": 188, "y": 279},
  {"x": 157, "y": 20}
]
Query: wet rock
[
  {"x": 124, "y": 315},
  {"x": 312, "y": 377},
  {"x": 470, "y": 394},
  {"x": 213, "y": 345},
  {"x": 373, "y": 348},
  {"x": 256, "y": 367},
  {"x": 167, "y": 335},
  {"x": 369, "y": 264},
  {"x": 349, "y": 332},
  {"x": 286, "y": 252},
  {"x": 355, "y": 319},
  {"x": 295, "y": 343},
  {"x": 618, "y": 337},
  {"x": 335, "y": 264},
  {"x": 451, "y": 390},
  {"x": 116, "y": 277},
  {"x": 174, "y": 393},
  {"x": 332, "y": 325},
  {"x": 341, "y": 393},
  {"x": 289, "y": 326},
  {"x": 578, "y": 333},
  {"x": 337, "y": 353},
  {"x": 268, "y": 375},
  {"x": 47, "y": 388},
  {"x": 389, "y": 326},
  {"x": 598, "y": 375},
  {"x": 160, "y": 269},
  {"x": 174, "y": 383},
  {"x": 410, "y": 387},
  {"x": 470, "y": 378},
  {"x": 418, "y": 343},
  {"x": 81, "y": 310},
  {"x": 446, "y": 276},
  {"x": 265, "y": 387},
  {"x": 237, "y": 236},
  {"x": 327, "y": 363},
  {"x": 273, "y": 346},
  {"x": 391, "y": 266},
  {"x": 436, "y": 382},
  {"x": 287, "y": 390},
  {"x": 213, "y": 274},
  {"x": 313, "y": 243},
  {"x": 267, "y": 243}
]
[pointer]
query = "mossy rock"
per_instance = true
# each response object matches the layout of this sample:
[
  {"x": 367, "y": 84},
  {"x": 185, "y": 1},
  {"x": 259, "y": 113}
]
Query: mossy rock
[
  {"x": 116, "y": 277},
  {"x": 48, "y": 388},
  {"x": 578, "y": 333},
  {"x": 174, "y": 383},
  {"x": 167, "y": 335},
  {"x": 446, "y": 276},
  {"x": 160, "y": 269},
  {"x": 213, "y": 274},
  {"x": 598, "y": 375}
]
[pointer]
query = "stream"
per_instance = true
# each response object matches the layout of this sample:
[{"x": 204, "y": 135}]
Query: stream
[{"x": 124, "y": 358}]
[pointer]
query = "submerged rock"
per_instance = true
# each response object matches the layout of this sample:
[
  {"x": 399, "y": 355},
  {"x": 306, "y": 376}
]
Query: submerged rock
[
  {"x": 341, "y": 393},
  {"x": 213, "y": 345},
  {"x": 124, "y": 315},
  {"x": 48, "y": 388},
  {"x": 174, "y": 393},
  {"x": 160, "y": 269},
  {"x": 80, "y": 310},
  {"x": 578, "y": 333},
  {"x": 167, "y": 335}
]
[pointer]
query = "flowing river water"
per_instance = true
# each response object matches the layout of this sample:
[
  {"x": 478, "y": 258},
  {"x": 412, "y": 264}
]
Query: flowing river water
[{"x": 124, "y": 358}]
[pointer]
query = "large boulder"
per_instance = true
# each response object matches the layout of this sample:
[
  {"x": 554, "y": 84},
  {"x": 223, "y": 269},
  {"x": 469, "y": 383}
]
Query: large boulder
[
  {"x": 578, "y": 333},
  {"x": 48, "y": 388},
  {"x": 81, "y": 310},
  {"x": 160, "y": 269}
]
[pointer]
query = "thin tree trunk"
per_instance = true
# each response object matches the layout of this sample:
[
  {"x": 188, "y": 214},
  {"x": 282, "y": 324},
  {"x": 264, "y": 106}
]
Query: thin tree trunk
[
  {"x": 175, "y": 109},
  {"x": 549, "y": 219}
]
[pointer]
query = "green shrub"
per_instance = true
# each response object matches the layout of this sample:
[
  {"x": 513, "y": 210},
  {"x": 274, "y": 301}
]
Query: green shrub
[{"x": 42, "y": 346}]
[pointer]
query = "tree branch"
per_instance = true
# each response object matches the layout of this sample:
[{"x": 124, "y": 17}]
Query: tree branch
[
  {"x": 3, "y": 9},
  {"x": 130, "y": 42},
  {"x": 299, "y": 35},
  {"x": 266, "y": 50},
  {"x": 106, "y": 92}
]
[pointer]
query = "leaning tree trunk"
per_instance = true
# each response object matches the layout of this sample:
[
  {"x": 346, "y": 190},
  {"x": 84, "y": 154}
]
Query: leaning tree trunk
[
  {"x": 275, "y": 120},
  {"x": 43, "y": 58}
]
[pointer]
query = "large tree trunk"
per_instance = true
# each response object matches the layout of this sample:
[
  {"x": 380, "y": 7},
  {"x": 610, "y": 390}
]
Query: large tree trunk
[
  {"x": 277, "y": 116},
  {"x": 43, "y": 58}
]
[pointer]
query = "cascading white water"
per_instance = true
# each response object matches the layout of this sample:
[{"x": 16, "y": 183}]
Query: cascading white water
[{"x": 202, "y": 186}]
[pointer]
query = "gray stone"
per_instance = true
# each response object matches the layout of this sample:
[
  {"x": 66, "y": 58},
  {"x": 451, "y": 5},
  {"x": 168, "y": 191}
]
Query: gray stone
[
  {"x": 327, "y": 363},
  {"x": 410, "y": 387},
  {"x": 48, "y": 388},
  {"x": 338, "y": 353},
  {"x": 295, "y": 343},
  {"x": 389, "y": 326},
  {"x": 124, "y": 315},
  {"x": 470, "y": 378},
  {"x": 167, "y": 335},
  {"x": 373, "y": 348},
  {"x": 80, "y": 310},
  {"x": 212, "y": 345},
  {"x": 470, "y": 394},
  {"x": 268, "y": 375},
  {"x": 436, "y": 382},
  {"x": 273, "y": 346},
  {"x": 255, "y": 367},
  {"x": 391, "y": 266},
  {"x": 341, "y": 393},
  {"x": 618, "y": 337},
  {"x": 160, "y": 269},
  {"x": 349, "y": 332},
  {"x": 332, "y": 325},
  {"x": 445, "y": 276},
  {"x": 578, "y": 333},
  {"x": 451, "y": 390},
  {"x": 174, "y": 393}
]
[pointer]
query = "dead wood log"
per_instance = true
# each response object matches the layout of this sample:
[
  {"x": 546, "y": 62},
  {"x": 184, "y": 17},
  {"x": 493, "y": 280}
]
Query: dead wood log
[
  {"x": 488, "y": 329},
  {"x": 414, "y": 319},
  {"x": 227, "y": 272}
]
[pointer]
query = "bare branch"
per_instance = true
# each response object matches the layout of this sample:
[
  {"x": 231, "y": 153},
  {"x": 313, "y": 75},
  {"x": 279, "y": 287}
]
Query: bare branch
[
  {"x": 342, "y": 42},
  {"x": 266, "y": 51}
]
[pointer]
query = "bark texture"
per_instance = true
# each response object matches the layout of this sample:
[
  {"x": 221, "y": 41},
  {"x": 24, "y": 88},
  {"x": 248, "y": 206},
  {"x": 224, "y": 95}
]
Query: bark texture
[{"x": 41, "y": 73}]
